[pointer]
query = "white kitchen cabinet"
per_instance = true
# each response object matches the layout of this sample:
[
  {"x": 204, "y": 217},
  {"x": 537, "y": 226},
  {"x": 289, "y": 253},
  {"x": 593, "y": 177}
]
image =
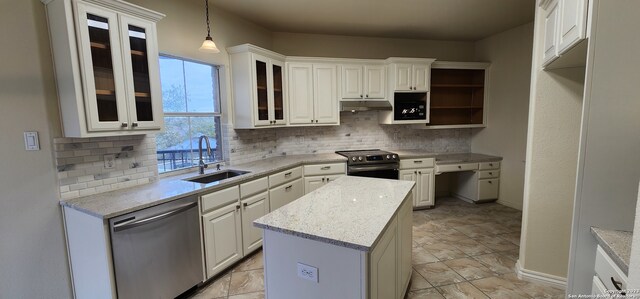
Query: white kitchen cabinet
[
  {"x": 106, "y": 64},
  {"x": 313, "y": 93},
  {"x": 474, "y": 182},
  {"x": 572, "y": 24},
  {"x": 424, "y": 193},
  {"x": 253, "y": 208},
  {"x": 314, "y": 182},
  {"x": 318, "y": 175},
  {"x": 286, "y": 193},
  {"x": 222, "y": 230},
  {"x": 360, "y": 81},
  {"x": 384, "y": 265},
  {"x": 410, "y": 74},
  {"x": 607, "y": 272},
  {"x": 258, "y": 87},
  {"x": 405, "y": 244}
]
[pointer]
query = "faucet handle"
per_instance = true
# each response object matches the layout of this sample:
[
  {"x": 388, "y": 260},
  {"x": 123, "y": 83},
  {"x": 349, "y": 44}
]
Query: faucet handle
[{"x": 218, "y": 166}]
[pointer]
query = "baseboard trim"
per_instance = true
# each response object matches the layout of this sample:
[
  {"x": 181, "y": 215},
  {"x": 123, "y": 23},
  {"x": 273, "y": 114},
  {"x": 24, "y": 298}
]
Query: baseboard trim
[
  {"x": 535, "y": 276},
  {"x": 508, "y": 204}
]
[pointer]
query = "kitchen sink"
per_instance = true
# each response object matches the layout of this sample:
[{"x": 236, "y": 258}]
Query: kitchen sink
[{"x": 216, "y": 177}]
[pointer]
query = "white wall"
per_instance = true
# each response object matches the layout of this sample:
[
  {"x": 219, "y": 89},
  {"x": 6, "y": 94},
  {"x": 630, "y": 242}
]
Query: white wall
[
  {"x": 33, "y": 260},
  {"x": 320, "y": 45},
  {"x": 551, "y": 162},
  {"x": 508, "y": 106}
]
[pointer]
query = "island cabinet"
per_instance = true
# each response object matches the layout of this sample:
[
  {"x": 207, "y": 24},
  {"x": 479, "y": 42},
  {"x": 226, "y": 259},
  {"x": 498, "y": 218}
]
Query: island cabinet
[
  {"x": 421, "y": 171},
  {"x": 316, "y": 176},
  {"x": 258, "y": 87},
  {"x": 363, "y": 81},
  {"x": 285, "y": 187},
  {"x": 313, "y": 93},
  {"x": 106, "y": 65},
  {"x": 350, "y": 239}
]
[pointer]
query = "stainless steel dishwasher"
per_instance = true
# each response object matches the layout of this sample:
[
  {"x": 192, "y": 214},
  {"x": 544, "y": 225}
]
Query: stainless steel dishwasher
[{"x": 157, "y": 251}]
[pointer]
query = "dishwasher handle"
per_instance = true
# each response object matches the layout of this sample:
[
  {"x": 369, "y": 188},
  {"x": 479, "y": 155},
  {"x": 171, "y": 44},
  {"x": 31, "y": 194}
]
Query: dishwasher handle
[{"x": 133, "y": 222}]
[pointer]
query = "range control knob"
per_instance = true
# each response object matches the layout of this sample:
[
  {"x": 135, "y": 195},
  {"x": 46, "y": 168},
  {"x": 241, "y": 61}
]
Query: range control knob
[
  {"x": 360, "y": 158},
  {"x": 388, "y": 157},
  {"x": 394, "y": 157},
  {"x": 353, "y": 159}
]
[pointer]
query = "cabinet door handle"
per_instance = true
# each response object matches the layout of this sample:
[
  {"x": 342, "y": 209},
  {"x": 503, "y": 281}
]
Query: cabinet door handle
[
  {"x": 490, "y": 182},
  {"x": 316, "y": 121},
  {"x": 618, "y": 286},
  {"x": 419, "y": 172},
  {"x": 237, "y": 207},
  {"x": 288, "y": 173},
  {"x": 325, "y": 168},
  {"x": 133, "y": 125},
  {"x": 312, "y": 120},
  {"x": 490, "y": 173},
  {"x": 417, "y": 161},
  {"x": 490, "y": 164},
  {"x": 459, "y": 167},
  {"x": 124, "y": 125},
  {"x": 360, "y": 95},
  {"x": 323, "y": 179},
  {"x": 245, "y": 204},
  {"x": 415, "y": 172},
  {"x": 367, "y": 96},
  {"x": 287, "y": 188}
]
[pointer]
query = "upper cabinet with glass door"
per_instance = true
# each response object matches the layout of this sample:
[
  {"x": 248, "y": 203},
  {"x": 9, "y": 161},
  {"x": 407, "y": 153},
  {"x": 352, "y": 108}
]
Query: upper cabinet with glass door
[
  {"x": 258, "y": 87},
  {"x": 106, "y": 61}
]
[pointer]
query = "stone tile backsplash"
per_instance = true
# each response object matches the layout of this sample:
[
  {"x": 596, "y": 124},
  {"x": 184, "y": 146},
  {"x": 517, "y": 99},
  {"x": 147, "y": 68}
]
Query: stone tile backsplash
[
  {"x": 81, "y": 167},
  {"x": 356, "y": 131}
]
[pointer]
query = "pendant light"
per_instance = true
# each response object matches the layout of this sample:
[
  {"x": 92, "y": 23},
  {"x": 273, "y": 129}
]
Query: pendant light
[{"x": 208, "y": 45}]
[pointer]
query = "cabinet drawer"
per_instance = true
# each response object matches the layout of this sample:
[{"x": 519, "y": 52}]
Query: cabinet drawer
[
  {"x": 598, "y": 288},
  {"x": 488, "y": 189},
  {"x": 607, "y": 269},
  {"x": 220, "y": 198},
  {"x": 285, "y": 176},
  {"x": 254, "y": 187},
  {"x": 417, "y": 163},
  {"x": 456, "y": 167},
  {"x": 322, "y": 169},
  {"x": 285, "y": 194},
  {"x": 488, "y": 174},
  {"x": 489, "y": 165}
]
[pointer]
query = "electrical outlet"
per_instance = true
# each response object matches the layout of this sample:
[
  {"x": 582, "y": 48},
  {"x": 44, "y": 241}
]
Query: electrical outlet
[
  {"x": 109, "y": 161},
  {"x": 308, "y": 272}
]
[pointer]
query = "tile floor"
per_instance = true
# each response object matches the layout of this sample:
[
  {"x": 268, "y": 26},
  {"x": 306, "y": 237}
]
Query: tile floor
[{"x": 460, "y": 250}]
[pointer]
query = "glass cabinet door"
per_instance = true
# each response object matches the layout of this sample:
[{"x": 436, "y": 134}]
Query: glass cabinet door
[
  {"x": 262, "y": 95},
  {"x": 278, "y": 94},
  {"x": 102, "y": 65},
  {"x": 141, "y": 72}
]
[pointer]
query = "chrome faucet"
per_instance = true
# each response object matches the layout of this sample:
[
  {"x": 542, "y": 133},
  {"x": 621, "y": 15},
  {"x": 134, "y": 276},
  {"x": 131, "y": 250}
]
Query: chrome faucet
[{"x": 201, "y": 164}]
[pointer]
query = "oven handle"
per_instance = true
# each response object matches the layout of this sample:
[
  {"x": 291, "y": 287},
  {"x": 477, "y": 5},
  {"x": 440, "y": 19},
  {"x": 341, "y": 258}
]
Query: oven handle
[{"x": 354, "y": 169}]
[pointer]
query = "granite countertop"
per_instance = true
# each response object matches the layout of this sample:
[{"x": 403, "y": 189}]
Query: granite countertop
[
  {"x": 350, "y": 212},
  {"x": 617, "y": 244},
  {"x": 446, "y": 158},
  {"x": 116, "y": 203}
]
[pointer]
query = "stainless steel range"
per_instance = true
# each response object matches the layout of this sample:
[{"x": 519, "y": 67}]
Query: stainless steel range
[{"x": 372, "y": 163}]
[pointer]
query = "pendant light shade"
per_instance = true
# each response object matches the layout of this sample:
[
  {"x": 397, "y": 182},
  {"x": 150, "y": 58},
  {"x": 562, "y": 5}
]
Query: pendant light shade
[{"x": 208, "y": 45}]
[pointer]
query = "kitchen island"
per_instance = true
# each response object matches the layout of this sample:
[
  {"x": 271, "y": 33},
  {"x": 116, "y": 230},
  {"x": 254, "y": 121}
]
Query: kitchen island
[{"x": 348, "y": 239}]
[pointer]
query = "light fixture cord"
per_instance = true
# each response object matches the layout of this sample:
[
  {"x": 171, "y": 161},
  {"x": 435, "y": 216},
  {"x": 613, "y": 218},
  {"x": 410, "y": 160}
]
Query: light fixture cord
[{"x": 206, "y": 8}]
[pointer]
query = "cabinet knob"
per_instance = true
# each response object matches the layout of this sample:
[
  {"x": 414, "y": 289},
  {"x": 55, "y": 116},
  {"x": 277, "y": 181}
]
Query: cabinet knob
[
  {"x": 419, "y": 172},
  {"x": 312, "y": 120},
  {"x": 245, "y": 204},
  {"x": 366, "y": 96},
  {"x": 133, "y": 125},
  {"x": 490, "y": 182},
  {"x": 414, "y": 88},
  {"x": 360, "y": 95},
  {"x": 323, "y": 179},
  {"x": 237, "y": 207},
  {"x": 316, "y": 121},
  {"x": 415, "y": 172},
  {"x": 459, "y": 167},
  {"x": 124, "y": 125}
]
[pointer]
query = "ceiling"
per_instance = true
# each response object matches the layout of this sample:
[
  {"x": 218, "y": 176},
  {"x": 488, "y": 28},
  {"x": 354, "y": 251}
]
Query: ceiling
[{"x": 463, "y": 20}]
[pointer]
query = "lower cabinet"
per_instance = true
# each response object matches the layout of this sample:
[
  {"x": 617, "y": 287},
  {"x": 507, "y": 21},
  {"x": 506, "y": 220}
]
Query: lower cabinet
[
  {"x": 424, "y": 193},
  {"x": 315, "y": 182},
  {"x": 253, "y": 208},
  {"x": 405, "y": 232},
  {"x": 222, "y": 237},
  {"x": 286, "y": 193}
]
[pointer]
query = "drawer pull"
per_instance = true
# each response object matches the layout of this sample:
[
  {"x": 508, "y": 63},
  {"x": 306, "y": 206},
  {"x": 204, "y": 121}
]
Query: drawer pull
[
  {"x": 490, "y": 182},
  {"x": 245, "y": 204},
  {"x": 417, "y": 161},
  {"x": 419, "y": 172},
  {"x": 323, "y": 179},
  {"x": 490, "y": 173},
  {"x": 288, "y": 188},
  {"x": 415, "y": 172},
  {"x": 459, "y": 166},
  {"x": 325, "y": 168},
  {"x": 490, "y": 164},
  {"x": 237, "y": 207},
  {"x": 618, "y": 286},
  {"x": 288, "y": 173}
]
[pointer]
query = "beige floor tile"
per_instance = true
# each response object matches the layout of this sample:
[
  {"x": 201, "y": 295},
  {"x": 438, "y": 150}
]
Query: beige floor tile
[
  {"x": 444, "y": 251},
  {"x": 497, "y": 262},
  {"x": 246, "y": 282},
  {"x": 535, "y": 290},
  {"x": 497, "y": 287},
  {"x": 256, "y": 295},
  {"x": 469, "y": 268},
  {"x": 438, "y": 274},
  {"x": 217, "y": 289},
  {"x": 513, "y": 253},
  {"x": 424, "y": 294},
  {"x": 473, "y": 230},
  {"x": 462, "y": 290},
  {"x": 496, "y": 243},
  {"x": 419, "y": 255},
  {"x": 493, "y": 228},
  {"x": 418, "y": 282},
  {"x": 471, "y": 247},
  {"x": 513, "y": 237},
  {"x": 254, "y": 262}
]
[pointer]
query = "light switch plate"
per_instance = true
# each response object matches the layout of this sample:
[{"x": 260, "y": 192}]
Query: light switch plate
[
  {"x": 31, "y": 142},
  {"x": 308, "y": 272},
  {"x": 109, "y": 161}
]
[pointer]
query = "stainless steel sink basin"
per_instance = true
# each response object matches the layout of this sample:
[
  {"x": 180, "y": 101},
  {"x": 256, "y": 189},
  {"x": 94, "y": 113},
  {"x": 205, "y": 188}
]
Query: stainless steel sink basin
[{"x": 216, "y": 177}]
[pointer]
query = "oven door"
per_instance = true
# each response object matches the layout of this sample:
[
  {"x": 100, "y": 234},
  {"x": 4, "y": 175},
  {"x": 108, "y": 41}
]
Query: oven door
[{"x": 374, "y": 171}]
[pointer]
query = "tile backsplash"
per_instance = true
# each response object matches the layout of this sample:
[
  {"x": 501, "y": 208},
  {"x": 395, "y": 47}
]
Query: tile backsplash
[
  {"x": 81, "y": 167},
  {"x": 356, "y": 131}
]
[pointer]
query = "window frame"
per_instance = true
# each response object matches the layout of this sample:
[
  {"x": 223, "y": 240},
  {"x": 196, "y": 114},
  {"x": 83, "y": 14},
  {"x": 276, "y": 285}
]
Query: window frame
[{"x": 219, "y": 143}]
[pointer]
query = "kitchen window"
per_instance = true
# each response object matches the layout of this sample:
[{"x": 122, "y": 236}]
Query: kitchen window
[{"x": 191, "y": 104}]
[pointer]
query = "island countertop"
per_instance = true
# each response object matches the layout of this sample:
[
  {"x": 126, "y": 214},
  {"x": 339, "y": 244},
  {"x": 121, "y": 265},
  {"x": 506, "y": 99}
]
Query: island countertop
[{"x": 350, "y": 212}]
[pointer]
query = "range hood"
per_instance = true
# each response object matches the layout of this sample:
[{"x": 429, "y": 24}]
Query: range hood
[{"x": 354, "y": 106}]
